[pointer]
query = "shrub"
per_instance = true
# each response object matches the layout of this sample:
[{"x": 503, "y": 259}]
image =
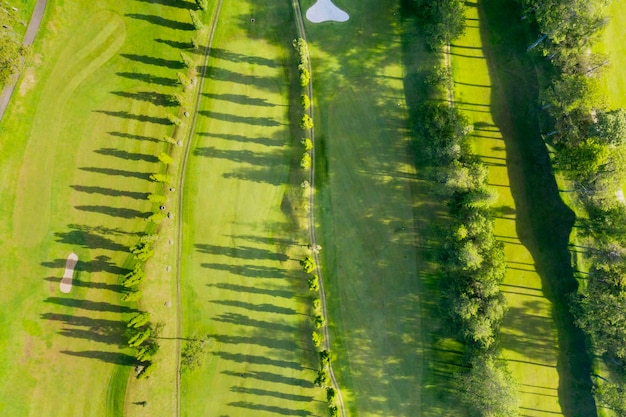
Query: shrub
[
  {"x": 164, "y": 178},
  {"x": 322, "y": 378},
  {"x": 313, "y": 283},
  {"x": 305, "y": 162},
  {"x": 305, "y": 101},
  {"x": 317, "y": 338},
  {"x": 319, "y": 321},
  {"x": 308, "y": 145}
]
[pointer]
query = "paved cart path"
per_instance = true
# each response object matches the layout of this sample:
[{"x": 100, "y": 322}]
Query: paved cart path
[{"x": 29, "y": 38}]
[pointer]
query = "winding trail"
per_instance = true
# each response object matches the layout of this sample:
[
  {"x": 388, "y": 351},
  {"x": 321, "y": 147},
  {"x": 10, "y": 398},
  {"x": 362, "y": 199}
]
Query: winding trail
[
  {"x": 313, "y": 239},
  {"x": 29, "y": 38},
  {"x": 180, "y": 188}
]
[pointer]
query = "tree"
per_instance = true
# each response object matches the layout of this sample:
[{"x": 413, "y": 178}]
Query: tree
[
  {"x": 164, "y": 178},
  {"x": 313, "y": 283},
  {"x": 322, "y": 378},
  {"x": 442, "y": 20},
  {"x": 316, "y": 338},
  {"x": 194, "y": 352},
  {"x": 306, "y": 122},
  {"x": 12, "y": 55},
  {"x": 305, "y": 101},
  {"x": 610, "y": 128},
  {"x": 203, "y": 5},
  {"x": 319, "y": 321},
  {"x": 308, "y": 145},
  {"x": 139, "y": 338},
  {"x": 305, "y": 162},
  {"x": 488, "y": 389},
  {"x": 139, "y": 320},
  {"x": 147, "y": 370},
  {"x": 196, "y": 21},
  {"x": 308, "y": 265},
  {"x": 324, "y": 358}
]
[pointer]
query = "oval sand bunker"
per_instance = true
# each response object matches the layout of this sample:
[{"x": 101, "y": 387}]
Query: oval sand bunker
[
  {"x": 68, "y": 275},
  {"x": 324, "y": 11}
]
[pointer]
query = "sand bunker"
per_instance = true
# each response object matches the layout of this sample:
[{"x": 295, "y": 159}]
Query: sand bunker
[
  {"x": 68, "y": 275},
  {"x": 324, "y": 11}
]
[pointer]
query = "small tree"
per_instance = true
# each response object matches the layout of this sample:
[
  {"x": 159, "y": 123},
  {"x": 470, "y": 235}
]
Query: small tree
[
  {"x": 322, "y": 378},
  {"x": 147, "y": 370},
  {"x": 164, "y": 178},
  {"x": 305, "y": 162},
  {"x": 305, "y": 101},
  {"x": 139, "y": 320},
  {"x": 317, "y": 338},
  {"x": 186, "y": 60},
  {"x": 139, "y": 338},
  {"x": 132, "y": 296},
  {"x": 196, "y": 20},
  {"x": 313, "y": 283},
  {"x": 324, "y": 358},
  {"x": 308, "y": 145},
  {"x": 175, "y": 120},
  {"x": 194, "y": 352},
  {"x": 306, "y": 123},
  {"x": 305, "y": 77},
  {"x": 330, "y": 394},
  {"x": 307, "y": 264},
  {"x": 319, "y": 321}
]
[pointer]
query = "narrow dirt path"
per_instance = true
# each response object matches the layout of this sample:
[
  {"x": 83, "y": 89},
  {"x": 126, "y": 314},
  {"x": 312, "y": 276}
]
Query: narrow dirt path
[
  {"x": 180, "y": 188},
  {"x": 313, "y": 239},
  {"x": 29, "y": 38}
]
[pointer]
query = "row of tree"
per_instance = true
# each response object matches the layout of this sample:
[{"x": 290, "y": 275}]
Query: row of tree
[
  {"x": 472, "y": 262},
  {"x": 590, "y": 149}
]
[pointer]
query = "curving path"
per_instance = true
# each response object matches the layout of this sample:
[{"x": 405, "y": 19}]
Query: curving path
[
  {"x": 29, "y": 38},
  {"x": 313, "y": 239},
  {"x": 181, "y": 185}
]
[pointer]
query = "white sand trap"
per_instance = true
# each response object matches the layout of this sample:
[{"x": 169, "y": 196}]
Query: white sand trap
[
  {"x": 324, "y": 11},
  {"x": 68, "y": 275}
]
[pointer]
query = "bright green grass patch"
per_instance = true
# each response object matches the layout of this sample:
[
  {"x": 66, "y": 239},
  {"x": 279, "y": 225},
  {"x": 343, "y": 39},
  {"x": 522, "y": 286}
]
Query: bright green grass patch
[
  {"x": 78, "y": 143},
  {"x": 242, "y": 285},
  {"x": 496, "y": 87}
]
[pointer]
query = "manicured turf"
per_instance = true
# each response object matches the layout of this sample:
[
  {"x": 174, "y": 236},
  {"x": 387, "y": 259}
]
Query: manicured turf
[
  {"x": 242, "y": 285},
  {"x": 496, "y": 87},
  {"x": 366, "y": 205},
  {"x": 78, "y": 143}
]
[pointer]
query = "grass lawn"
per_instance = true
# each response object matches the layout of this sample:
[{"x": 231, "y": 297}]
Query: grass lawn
[
  {"x": 496, "y": 86},
  {"x": 242, "y": 285},
  {"x": 371, "y": 211},
  {"x": 77, "y": 145}
]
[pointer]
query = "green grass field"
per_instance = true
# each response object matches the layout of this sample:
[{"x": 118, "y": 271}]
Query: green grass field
[
  {"x": 496, "y": 86},
  {"x": 371, "y": 208},
  {"x": 77, "y": 145},
  {"x": 242, "y": 285}
]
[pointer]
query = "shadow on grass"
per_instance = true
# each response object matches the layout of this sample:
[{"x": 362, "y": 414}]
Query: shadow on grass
[
  {"x": 108, "y": 357},
  {"x": 99, "y": 264},
  {"x": 138, "y": 117},
  {"x": 544, "y": 222},
  {"x": 118, "y": 172},
  {"x": 242, "y": 320},
  {"x": 89, "y": 305},
  {"x": 261, "y": 308},
  {"x": 240, "y": 99},
  {"x": 179, "y": 4},
  {"x": 242, "y": 156},
  {"x": 130, "y": 156},
  {"x": 243, "y": 252},
  {"x": 235, "y": 57},
  {"x": 158, "y": 99},
  {"x": 89, "y": 284},
  {"x": 134, "y": 137},
  {"x": 249, "y": 120},
  {"x": 125, "y": 213},
  {"x": 252, "y": 271},
  {"x": 243, "y": 139},
  {"x": 265, "y": 393},
  {"x": 148, "y": 78},
  {"x": 272, "y": 377},
  {"x": 252, "y": 290},
  {"x": 89, "y": 240},
  {"x": 162, "y": 21},
  {"x": 258, "y": 360},
  {"x": 270, "y": 408},
  {"x": 110, "y": 192}
]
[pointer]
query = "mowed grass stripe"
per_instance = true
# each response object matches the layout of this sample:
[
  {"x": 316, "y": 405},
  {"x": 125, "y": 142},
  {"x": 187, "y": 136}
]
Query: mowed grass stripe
[
  {"x": 85, "y": 109},
  {"x": 242, "y": 285}
]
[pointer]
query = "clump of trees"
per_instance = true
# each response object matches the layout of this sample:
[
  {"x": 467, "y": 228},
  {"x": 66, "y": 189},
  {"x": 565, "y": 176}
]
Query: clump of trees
[
  {"x": 12, "y": 53},
  {"x": 441, "y": 21}
]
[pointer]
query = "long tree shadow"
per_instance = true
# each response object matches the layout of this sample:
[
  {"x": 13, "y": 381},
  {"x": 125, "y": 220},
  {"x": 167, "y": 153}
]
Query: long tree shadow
[
  {"x": 76, "y": 282},
  {"x": 101, "y": 263},
  {"x": 96, "y": 330},
  {"x": 118, "y": 172},
  {"x": 89, "y": 305},
  {"x": 276, "y": 394},
  {"x": 240, "y": 99},
  {"x": 138, "y": 117},
  {"x": 243, "y": 252},
  {"x": 232, "y": 118},
  {"x": 89, "y": 240},
  {"x": 271, "y": 377},
  {"x": 544, "y": 222},
  {"x": 244, "y": 139},
  {"x": 110, "y": 192},
  {"x": 264, "y": 341},
  {"x": 241, "y": 156},
  {"x": 179, "y": 4},
  {"x": 161, "y": 21},
  {"x": 269, "y": 408},
  {"x": 148, "y": 78},
  {"x": 257, "y": 360},
  {"x": 261, "y": 308},
  {"x": 185, "y": 46},
  {"x": 241, "y": 320},
  {"x": 252, "y": 271},
  {"x": 130, "y": 156},
  {"x": 158, "y": 99},
  {"x": 253, "y": 290},
  {"x": 225, "y": 75},
  {"x": 122, "y": 212},
  {"x": 248, "y": 59},
  {"x": 134, "y": 137},
  {"x": 108, "y": 357}
]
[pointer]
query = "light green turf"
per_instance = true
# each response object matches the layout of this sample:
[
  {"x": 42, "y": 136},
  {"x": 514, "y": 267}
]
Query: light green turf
[
  {"x": 367, "y": 198},
  {"x": 242, "y": 285},
  {"x": 77, "y": 145},
  {"x": 497, "y": 91}
]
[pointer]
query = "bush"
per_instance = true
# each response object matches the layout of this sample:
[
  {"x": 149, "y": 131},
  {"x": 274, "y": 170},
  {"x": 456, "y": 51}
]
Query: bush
[
  {"x": 305, "y": 162},
  {"x": 308, "y": 145},
  {"x": 322, "y": 378},
  {"x": 305, "y": 101},
  {"x": 317, "y": 338},
  {"x": 308, "y": 265},
  {"x": 313, "y": 283},
  {"x": 319, "y": 321}
]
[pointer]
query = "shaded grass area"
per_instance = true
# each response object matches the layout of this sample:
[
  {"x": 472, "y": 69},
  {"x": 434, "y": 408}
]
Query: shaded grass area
[
  {"x": 375, "y": 215},
  {"x": 243, "y": 288},
  {"x": 70, "y": 185},
  {"x": 497, "y": 87}
]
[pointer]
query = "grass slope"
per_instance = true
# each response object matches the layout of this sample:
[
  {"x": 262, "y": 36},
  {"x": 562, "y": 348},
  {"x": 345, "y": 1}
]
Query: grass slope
[
  {"x": 495, "y": 85},
  {"x": 78, "y": 143},
  {"x": 366, "y": 180},
  {"x": 242, "y": 285}
]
